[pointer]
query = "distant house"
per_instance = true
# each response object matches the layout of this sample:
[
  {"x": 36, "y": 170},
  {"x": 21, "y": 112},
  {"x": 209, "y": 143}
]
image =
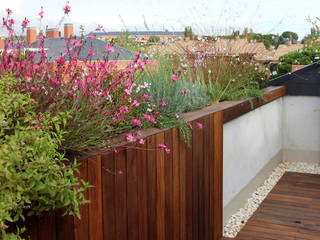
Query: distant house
[
  {"x": 141, "y": 36},
  {"x": 55, "y": 46}
]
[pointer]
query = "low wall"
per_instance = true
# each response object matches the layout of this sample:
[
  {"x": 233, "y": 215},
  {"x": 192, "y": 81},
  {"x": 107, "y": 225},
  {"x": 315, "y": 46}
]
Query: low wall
[
  {"x": 301, "y": 128},
  {"x": 249, "y": 143},
  {"x": 287, "y": 129}
]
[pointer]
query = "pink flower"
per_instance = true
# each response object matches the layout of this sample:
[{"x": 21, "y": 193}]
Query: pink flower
[
  {"x": 55, "y": 81},
  {"x": 127, "y": 91},
  {"x": 167, "y": 150},
  {"x": 177, "y": 116},
  {"x": 99, "y": 28},
  {"x": 147, "y": 96},
  {"x": 106, "y": 112},
  {"x": 123, "y": 109},
  {"x": 91, "y": 52},
  {"x": 25, "y": 23},
  {"x": 136, "y": 122},
  {"x": 41, "y": 14},
  {"x": 11, "y": 21},
  {"x": 141, "y": 141},
  {"x": 163, "y": 103},
  {"x": 161, "y": 145},
  {"x": 91, "y": 36},
  {"x": 141, "y": 65},
  {"x": 183, "y": 92},
  {"x": 60, "y": 60},
  {"x": 120, "y": 172},
  {"x": 189, "y": 125},
  {"x": 135, "y": 103},
  {"x": 66, "y": 9},
  {"x": 174, "y": 78},
  {"x": 130, "y": 138},
  {"x": 71, "y": 93},
  {"x": 199, "y": 125},
  {"x": 109, "y": 48},
  {"x": 9, "y": 11}
]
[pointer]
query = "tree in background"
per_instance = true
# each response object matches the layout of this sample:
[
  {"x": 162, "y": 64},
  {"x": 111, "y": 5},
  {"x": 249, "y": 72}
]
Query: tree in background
[
  {"x": 188, "y": 33},
  {"x": 314, "y": 31},
  {"x": 290, "y": 35}
]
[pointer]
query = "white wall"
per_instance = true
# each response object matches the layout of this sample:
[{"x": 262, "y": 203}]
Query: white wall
[
  {"x": 249, "y": 143},
  {"x": 301, "y": 123}
]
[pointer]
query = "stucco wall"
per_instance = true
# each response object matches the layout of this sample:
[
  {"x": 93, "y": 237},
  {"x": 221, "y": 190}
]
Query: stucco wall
[
  {"x": 249, "y": 143},
  {"x": 301, "y": 128}
]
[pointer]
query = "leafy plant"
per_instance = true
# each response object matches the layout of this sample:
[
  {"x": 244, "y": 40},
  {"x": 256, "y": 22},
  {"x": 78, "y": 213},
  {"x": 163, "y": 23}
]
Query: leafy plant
[
  {"x": 304, "y": 56},
  {"x": 34, "y": 176},
  {"x": 172, "y": 95},
  {"x": 226, "y": 77},
  {"x": 154, "y": 39}
]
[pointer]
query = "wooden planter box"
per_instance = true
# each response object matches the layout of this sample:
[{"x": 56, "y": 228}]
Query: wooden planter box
[{"x": 159, "y": 196}]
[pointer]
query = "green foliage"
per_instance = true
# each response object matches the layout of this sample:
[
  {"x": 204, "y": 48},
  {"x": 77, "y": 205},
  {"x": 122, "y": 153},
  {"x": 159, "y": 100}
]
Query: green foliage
[
  {"x": 126, "y": 40},
  {"x": 33, "y": 174},
  {"x": 154, "y": 39},
  {"x": 302, "y": 56},
  {"x": 180, "y": 96},
  {"x": 289, "y": 35},
  {"x": 188, "y": 32},
  {"x": 267, "y": 39},
  {"x": 162, "y": 88},
  {"x": 314, "y": 31}
]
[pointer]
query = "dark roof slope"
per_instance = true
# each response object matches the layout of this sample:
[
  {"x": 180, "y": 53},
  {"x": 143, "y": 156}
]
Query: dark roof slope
[
  {"x": 303, "y": 82},
  {"x": 56, "y": 48}
]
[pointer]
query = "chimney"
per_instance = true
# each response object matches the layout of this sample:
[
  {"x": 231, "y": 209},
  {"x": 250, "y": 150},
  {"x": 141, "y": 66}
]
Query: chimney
[
  {"x": 68, "y": 30},
  {"x": 31, "y": 35},
  {"x": 1, "y": 43},
  {"x": 52, "y": 33}
]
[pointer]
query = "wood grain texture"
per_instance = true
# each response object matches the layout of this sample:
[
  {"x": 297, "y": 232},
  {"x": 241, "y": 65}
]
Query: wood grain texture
[
  {"x": 132, "y": 194},
  {"x": 168, "y": 171},
  {"x": 95, "y": 197},
  {"x": 218, "y": 173},
  {"x": 161, "y": 194},
  {"x": 81, "y": 226},
  {"x": 121, "y": 212},
  {"x": 108, "y": 195},
  {"x": 290, "y": 211},
  {"x": 152, "y": 186}
]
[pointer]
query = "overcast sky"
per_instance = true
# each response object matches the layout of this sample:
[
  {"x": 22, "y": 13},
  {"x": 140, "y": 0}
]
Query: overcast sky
[{"x": 205, "y": 16}]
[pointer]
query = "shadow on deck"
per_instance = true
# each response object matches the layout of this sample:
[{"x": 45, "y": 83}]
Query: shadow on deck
[{"x": 291, "y": 211}]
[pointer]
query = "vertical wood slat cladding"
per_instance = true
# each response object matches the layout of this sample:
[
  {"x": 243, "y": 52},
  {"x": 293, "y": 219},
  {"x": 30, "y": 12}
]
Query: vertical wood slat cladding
[{"x": 157, "y": 195}]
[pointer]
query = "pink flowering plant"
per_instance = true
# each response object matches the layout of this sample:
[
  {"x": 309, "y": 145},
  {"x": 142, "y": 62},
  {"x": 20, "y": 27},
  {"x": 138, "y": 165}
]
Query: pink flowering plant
[{"x": 102, "y": 100}]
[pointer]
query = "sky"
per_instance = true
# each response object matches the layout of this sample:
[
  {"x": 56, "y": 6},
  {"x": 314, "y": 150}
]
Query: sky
[{"x": 210, "y": 17}]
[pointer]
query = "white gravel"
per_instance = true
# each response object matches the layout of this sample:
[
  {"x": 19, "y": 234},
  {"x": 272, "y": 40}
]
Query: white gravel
[{"x": 239, "y": 219}]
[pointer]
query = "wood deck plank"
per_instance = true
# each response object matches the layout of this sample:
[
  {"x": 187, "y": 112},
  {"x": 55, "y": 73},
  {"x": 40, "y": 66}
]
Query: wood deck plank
[{"x": 290, "y": 211}]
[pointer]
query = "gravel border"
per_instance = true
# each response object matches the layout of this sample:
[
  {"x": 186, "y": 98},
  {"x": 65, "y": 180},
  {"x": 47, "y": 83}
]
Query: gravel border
[{"x": 239, "y": 219}]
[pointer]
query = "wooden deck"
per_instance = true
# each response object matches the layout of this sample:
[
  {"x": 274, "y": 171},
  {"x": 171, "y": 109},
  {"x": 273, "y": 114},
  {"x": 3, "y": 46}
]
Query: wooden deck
[{"x": 291, "y": 211}]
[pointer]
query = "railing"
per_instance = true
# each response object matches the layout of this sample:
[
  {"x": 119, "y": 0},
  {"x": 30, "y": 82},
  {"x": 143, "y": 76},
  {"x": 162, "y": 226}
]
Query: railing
[{"x": 159, "y": 195}]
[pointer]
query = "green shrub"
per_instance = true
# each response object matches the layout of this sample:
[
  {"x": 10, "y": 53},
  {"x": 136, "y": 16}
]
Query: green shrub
[
  {"x": 180, "y": 96},
  {"x": 304, "y": 56},
  {"x": 154, "y": 39},
  {"x": 33, "y": 174}
]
